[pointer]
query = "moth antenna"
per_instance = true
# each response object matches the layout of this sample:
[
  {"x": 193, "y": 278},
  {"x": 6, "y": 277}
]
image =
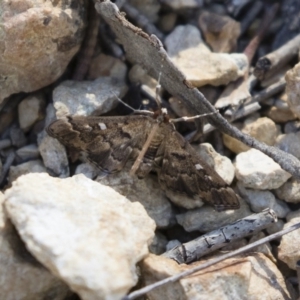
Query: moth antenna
[
  {"x": 158, "y": 88},
  {"x": 192, "y": 118},
  {"x": 134, "y": 110}
]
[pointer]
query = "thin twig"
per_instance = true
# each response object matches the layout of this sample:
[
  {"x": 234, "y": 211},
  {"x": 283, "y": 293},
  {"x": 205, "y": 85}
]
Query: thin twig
[
  {"x": 271, "y": 62},
  {"x": 214, "y": 261},
  {"x": 211, "y": 241}
]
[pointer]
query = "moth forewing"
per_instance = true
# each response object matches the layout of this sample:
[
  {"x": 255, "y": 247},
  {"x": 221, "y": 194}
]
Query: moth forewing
[{"x": 153, "y": 144}]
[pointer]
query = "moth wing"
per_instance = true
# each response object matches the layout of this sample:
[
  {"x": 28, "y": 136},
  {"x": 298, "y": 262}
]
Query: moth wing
[
  {"x": 183, "y": 171},
  {"x": 107, "y": 142}
]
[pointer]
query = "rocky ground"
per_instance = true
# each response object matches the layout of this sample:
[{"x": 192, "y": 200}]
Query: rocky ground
[{"x": 69, "y": 232}]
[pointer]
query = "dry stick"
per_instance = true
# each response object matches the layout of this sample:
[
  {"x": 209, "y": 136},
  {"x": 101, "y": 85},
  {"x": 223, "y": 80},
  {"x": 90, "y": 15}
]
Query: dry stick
[
  {"x": 250, "y": 16},
  {"x": 9, "y": 160},
  {"x": 271, "y": 62},
  {"x": 214, "y": 261},
  {"x": 236, "y": 92},
  {"x": 147, "y": 51},
  {"x": 88, "y": 47},
  {"x": 193, "y": 250}
]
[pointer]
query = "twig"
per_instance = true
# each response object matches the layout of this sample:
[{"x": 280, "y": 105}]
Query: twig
[
  {"x": 9, "y": 160},
  {"x": 193, "y": 250},
  {"x": 271, "y": 62},
  {"x": 148, "y": 52},
  {"x": 88, "y": 47},
  {"x": 250, "y": 16},
  {"x": 214, "y": 261}
]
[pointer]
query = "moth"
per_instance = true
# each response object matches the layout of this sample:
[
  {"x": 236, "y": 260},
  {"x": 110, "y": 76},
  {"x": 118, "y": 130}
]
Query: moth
[{"x": 110, "y": 142}]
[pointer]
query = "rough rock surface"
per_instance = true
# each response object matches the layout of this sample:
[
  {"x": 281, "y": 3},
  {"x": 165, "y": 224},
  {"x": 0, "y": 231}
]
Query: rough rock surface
[
  {"x": 256, "y": 170},
  {"x": 248, "y": 277},
  {"x": 22, "y": 276},
  {"x": 83, "y": 232},
  {"x": 37, "y": 41}
]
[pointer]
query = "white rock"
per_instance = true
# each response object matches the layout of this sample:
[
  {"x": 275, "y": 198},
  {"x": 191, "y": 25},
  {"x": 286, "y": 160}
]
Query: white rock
[
  {"x": 186, "y": 4},
  {"x": 198, "y": 63},
  {"x": 87, "y": 97},
  {"x": 248, "y": 277},
  {"x": 32, "y": 166},
  {"x": 289, "y": 191},
  {"x": 30, "y": 110},
  {"x": 207, "y": 219},
  {"x": 38, "y": 40},
  {"x": 52, "y": 151},
  {"x": 289, "y": 248},
  {"x": 83, "y": 232},
  {"x": 258, "y": 171},
  {"x": 147, "y": 191},
  {"x": 260, "y": 200},
  {"x": 24, "y": 277},
  {"x": 293, "y": 89},
  {"x": 221, "y": 164}
]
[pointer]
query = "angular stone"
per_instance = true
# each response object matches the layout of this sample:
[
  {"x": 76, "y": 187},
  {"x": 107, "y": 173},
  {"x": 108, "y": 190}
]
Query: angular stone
[
  {"x": 256, "y": 170},
  {"x": 206, "y": 219},
  {"x": 30, "y": 110},
  {"x": 38, "y": 40},
  {"x": 234, "y": 278},
  {"x": 32, "y": 166},
  {"x": 87, "y": 97},
  {"x": 24, "y": 276},
  {"x": 83, "y": 232},
  {"x": 289, "y": 191},
  {"x": 260, "y": 200},
  {"x": 289, "y": 250}
]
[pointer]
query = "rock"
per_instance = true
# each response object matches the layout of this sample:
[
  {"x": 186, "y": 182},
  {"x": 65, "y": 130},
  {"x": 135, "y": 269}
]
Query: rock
[
  {"x": 220, "y": 32},
  {"x": 289, "y": 191},
  {"x": 167, "y": 22},
  {"x": 292, "y": 78},
  {"x": 206, "y": 219},
  {"x": 17, "y": 137},
  {"x": 105, "y": 65},
  {"x": 87, "y": 170},
  {"x": 149, "y": 8},
  {"x": 210, "y": 68},
  {"x": 258, "y": 171},
  {"x": 265, "y": 248},
  {"x": 181, "y": 5},
  {"x": 24, "y": 276},
  {"x": 83, "y": 232},
  {"x": 172, "y": 244},
  {"x": 280, "y": 112},
  {"x": 147, "y": 191},
  {"x": 138, "y": 75},
  {"x": 275, "y": 227},
  {"x": 159, "y": 243},
  {"x": 28, "y": 152},
  {"x": 221, "y": 164},
  {"x": 87, "y": 97},
  {"x": 292, "y": 127},
  {"x": 38, "y": 40},
  {"x": 289, "y": 250},
  {"x": 31, "y": 110},
  {"x": 263, "y": 129},
  {"x": 260, "y": 200},
  {"x": 289, "y": 143},
  {"x": 32, "y": 166},
  {"x": 52, "y": 151},
  {"x": 234, "y": 278}
]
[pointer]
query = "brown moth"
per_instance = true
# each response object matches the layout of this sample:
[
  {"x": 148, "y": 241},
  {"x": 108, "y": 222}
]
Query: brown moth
[{"x": 109, "y": 142}]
